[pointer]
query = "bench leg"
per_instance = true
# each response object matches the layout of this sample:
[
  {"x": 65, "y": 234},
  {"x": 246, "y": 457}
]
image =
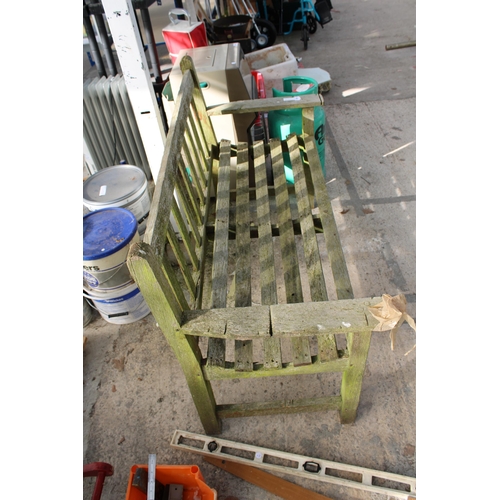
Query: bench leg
[
  {"x": 352, "y": 379},
  {"x": 152, "y": 281},
  {"x": 188, "y": 354}
]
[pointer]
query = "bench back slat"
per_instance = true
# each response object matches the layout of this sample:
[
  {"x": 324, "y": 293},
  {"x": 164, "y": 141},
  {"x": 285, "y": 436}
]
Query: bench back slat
[
  {"x": 198, "y": 144},
  {"x": 196, "y": 157},
  {"x": 179, "y": 302},
  {"x": 183, "y": 230},
  {"x": 190, "y": 183},
  {"x": 177, "y": 249},
  {"x": 185, "y": 203},
  {"x": 202, "y": 118}
]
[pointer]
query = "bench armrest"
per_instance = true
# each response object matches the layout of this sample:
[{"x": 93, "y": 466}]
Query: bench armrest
[{"x": 264, "y": 105}]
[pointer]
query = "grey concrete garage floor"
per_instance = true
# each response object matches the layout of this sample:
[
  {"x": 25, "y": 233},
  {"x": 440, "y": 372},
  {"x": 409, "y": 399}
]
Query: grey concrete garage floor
[{"x": 134, "y": 393}]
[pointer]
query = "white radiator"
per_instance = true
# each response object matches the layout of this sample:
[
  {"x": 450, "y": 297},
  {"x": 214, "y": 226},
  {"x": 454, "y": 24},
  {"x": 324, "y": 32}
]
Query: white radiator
[{"x": 110, "y": 130}]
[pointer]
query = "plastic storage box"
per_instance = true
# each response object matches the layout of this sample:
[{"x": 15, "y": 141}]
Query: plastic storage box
[{"x": 274, "y": 63}]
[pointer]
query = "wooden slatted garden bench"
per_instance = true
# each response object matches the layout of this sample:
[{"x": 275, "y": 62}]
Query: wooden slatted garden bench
[{"x": 244, "y": 272}]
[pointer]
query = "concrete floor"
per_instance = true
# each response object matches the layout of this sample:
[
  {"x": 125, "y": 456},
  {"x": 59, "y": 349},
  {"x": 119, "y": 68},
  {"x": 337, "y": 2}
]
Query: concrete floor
[{"x": 134, "y": 394}]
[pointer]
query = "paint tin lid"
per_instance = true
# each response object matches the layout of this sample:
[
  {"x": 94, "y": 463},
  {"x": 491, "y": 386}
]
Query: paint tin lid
[
  {"x": 113, "y": 184},
  {"x": 106, "y": 231}
]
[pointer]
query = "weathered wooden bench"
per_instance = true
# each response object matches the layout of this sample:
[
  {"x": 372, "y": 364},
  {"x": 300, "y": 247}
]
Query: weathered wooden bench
[{"x": 249, "y": 281}]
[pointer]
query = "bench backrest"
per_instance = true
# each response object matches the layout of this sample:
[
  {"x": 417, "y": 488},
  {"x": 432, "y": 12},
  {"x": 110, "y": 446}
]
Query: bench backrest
[{"x": 180, "y": 203}]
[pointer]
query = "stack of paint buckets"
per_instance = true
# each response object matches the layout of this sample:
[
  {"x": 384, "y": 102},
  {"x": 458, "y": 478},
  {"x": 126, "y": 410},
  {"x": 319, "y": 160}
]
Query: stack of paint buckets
[
  {"x": 124, "y": 186},
  {"x": 108, "y": 234}
]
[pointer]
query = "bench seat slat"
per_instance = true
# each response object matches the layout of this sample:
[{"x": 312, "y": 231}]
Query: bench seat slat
[
  {"x": 264, "y": 229},
  {"x": 243, "y": 275},
  {"x": 327, "y": 344},
  {"x": 243, "y": 349},
  {"x": 217, "y": 347},
  {"x": 269, "y": 294},
  {"x": 334, "y": 246},
  {"x": 311, "y": 250},
  {"x": 220, "y": 253},
  {"x": 293, "y": 286}
]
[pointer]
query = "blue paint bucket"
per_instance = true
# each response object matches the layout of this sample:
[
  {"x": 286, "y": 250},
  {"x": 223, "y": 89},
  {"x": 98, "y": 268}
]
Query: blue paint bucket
[{"x": 108, "y": 235}]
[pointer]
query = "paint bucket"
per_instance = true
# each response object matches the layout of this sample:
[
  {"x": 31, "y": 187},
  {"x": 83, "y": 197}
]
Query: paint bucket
[
  {"x": 121, "y": 306},
  {"x": 108, "y": 235},
  {"x": 124, "y": 186}
]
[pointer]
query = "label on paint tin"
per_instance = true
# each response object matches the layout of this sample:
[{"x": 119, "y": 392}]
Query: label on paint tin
[
  {"x": 90, "y": 279},
  {"x": 140, "y": 207},
  {"x": 117, "y": 300},
  {"x": 102, "y": 191},
  {"x": 122, "y": 309}
]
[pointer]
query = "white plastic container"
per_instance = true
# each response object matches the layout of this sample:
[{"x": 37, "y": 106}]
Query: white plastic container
[
  {"x": 274, "y": 63},
  {"x": 108, "y": 235},
  {"x": 121, "y": 306},
  {"x": 124, "y": 186}
]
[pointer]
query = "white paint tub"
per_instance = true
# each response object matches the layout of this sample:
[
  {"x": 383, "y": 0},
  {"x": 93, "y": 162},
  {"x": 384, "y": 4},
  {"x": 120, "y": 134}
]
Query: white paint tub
[
  {"x": 108, "y": 235},
  {"x": 124, "y": 186},
  {"x": 121, "y": 306}
]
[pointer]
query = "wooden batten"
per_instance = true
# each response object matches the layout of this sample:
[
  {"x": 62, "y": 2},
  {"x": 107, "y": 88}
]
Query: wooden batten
[{"x": 277, "y": 407}]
